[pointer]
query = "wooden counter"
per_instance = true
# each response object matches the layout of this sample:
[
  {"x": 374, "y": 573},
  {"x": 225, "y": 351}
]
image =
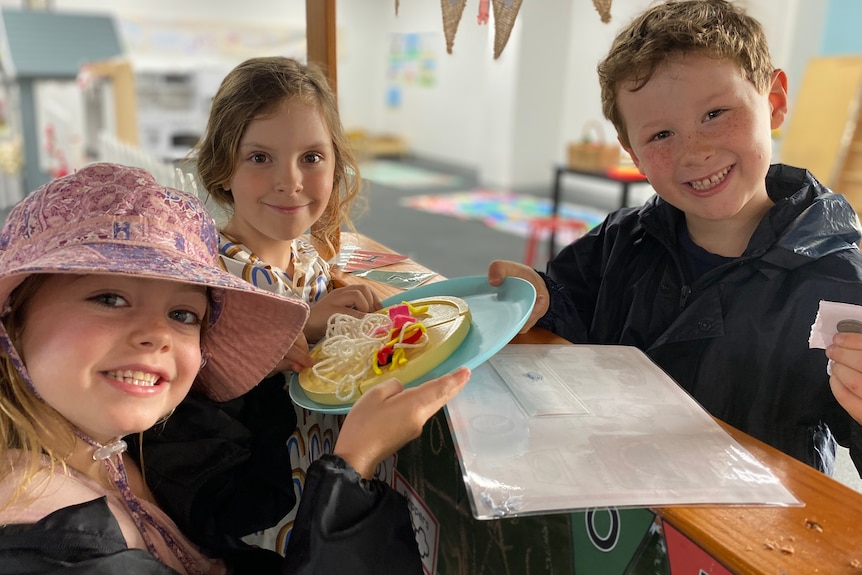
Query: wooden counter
[{"x": 823, "y": 537}]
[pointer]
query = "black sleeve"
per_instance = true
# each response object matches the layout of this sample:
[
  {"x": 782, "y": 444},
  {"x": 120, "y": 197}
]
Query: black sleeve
[
  {"x": 347, "y": 523},
  {"x": 222, "y": 470},
  {"x": 856, "y": 446}
]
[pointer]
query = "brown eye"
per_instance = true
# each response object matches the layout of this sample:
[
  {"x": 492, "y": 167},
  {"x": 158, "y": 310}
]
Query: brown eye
[
  {"x": 185, "y": 316},
  {"x": 109, "y": 300}
]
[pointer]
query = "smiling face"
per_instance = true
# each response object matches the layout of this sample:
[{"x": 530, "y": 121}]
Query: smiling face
[
  {"x": 701, "y": 132},
  {"x": 283, "y": 180},
  {"x": 113, "y": 354}
]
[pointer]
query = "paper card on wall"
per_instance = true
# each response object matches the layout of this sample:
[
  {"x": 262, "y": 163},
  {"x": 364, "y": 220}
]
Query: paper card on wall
[
  {"x": 425, "y": 525},
  {"x": 404, "y": 280},
  {"x": 365, "y": 260}
]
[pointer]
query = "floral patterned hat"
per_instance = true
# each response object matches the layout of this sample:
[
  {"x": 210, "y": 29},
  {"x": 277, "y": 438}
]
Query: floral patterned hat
[{"x": 112, "y": 219}]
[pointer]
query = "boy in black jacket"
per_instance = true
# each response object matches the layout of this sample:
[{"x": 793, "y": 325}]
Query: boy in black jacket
[{"x": 718, "y": 278}]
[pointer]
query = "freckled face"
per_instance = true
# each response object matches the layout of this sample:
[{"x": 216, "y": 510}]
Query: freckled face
[
  {"x": 283, "y": 180},
  {"x": 701, "y": 133},
  {"x": 113, "y": 354}
]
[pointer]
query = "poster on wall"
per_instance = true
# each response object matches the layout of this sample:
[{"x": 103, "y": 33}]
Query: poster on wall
[
  {"x": 59, "y": 126},
  {"x": 412, "y": 63}
]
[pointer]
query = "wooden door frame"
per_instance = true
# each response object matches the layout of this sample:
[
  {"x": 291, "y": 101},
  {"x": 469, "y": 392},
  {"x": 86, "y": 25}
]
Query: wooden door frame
[{"x": 320, "y": 38}]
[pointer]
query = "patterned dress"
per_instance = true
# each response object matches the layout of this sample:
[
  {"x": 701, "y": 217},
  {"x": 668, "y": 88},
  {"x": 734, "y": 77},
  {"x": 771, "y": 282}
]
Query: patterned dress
[{"x": 307, "y": 278}]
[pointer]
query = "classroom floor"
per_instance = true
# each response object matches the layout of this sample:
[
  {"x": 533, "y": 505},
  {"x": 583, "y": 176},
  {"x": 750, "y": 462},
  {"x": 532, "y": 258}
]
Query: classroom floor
[{"x": 454, "y": 247}]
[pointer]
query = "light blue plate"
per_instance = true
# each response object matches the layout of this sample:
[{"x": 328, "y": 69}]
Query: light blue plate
[{"x": 498, "y": 313}]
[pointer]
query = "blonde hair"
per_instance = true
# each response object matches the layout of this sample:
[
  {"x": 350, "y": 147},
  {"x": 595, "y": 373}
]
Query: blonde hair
[
  {"x": 253, "y": 89},
  {"x": 27, "y": 423},
  {"x": 714, "y": 28}
]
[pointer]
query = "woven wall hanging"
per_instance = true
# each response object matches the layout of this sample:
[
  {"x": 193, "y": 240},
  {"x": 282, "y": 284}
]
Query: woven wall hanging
[
  {"x": 604, "y": 9},
  {"x": 505, "y": 13}
]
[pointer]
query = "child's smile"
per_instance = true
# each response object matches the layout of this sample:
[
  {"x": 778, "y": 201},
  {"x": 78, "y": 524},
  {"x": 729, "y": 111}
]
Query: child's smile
[
  {"x": 140, "y": 381},
  {"x": 113, "y": 354},
  {"x": 700, "y": 131},
  {"x": 709, "y": 184},
  {"x": 283, "y": 179}
]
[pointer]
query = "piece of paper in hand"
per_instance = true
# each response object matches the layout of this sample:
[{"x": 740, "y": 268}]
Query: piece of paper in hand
[
  {"x": 366, "y": 260},
  {"x": 403, "y": 280},
  {"x": 826, "y": 324}
]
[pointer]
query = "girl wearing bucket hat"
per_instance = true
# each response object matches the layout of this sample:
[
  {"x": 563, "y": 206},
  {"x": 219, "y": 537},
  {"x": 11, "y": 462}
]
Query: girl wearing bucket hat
[{"x": 112, "y": 309}]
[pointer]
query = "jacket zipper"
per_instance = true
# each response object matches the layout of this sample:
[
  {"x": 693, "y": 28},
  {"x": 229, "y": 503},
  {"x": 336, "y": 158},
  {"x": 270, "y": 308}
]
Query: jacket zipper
[{"x": 683, "y": 296}]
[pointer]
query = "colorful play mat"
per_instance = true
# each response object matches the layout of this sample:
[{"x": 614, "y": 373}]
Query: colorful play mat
[
  {"x": 400, "y": 175},
  {"x": 504, "y": 211}
]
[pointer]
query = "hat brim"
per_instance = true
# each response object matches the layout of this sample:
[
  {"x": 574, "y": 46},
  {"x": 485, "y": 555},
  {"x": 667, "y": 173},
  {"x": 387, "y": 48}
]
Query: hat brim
[{"x": 253, "y": 331}]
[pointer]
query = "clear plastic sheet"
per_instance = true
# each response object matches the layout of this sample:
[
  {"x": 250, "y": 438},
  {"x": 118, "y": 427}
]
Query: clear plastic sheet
[{"x": 553, "y": 428}]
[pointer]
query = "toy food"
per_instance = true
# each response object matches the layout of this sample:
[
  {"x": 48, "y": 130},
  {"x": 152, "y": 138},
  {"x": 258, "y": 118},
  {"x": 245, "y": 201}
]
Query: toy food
[{"x": 403, "y": 341}]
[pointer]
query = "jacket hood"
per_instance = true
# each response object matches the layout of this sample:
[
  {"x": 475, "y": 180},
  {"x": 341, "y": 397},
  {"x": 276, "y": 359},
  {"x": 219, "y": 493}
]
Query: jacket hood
[{"x": 815, "y": 221}]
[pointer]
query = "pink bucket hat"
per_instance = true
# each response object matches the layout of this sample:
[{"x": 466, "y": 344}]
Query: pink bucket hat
[{"x": 112, "y": 219}]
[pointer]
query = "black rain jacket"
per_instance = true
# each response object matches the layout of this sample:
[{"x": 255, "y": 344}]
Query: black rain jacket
[
  {"x": 737, "y": 337},
  {"x": 222, "y": 470}
]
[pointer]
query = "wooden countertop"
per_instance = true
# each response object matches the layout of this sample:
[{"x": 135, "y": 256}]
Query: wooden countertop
[{"x": 822, "y": 537}]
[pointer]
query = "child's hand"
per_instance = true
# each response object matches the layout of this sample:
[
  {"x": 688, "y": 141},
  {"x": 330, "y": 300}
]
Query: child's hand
[
  {"x": 297, "y": 357},
  {"x": 846, "y": 380},
  {"x": 499, "y": 270},
  {"x": 388, "y": 416},
  {"x": 354, "y": 300}
]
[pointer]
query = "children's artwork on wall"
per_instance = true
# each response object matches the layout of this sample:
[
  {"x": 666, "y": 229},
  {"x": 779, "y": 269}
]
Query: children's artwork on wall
[{"x": 412, "y": 62}]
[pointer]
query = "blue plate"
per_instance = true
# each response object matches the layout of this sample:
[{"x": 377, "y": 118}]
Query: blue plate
[{"x": 498, "y": 313}]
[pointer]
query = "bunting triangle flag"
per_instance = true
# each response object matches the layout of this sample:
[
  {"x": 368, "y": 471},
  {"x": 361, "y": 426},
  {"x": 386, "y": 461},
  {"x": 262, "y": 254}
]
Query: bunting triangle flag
[
  {"x": 604, "y": 9},
  {"x": 452, "y": 10},
  {"x": 505, "y": 12}
]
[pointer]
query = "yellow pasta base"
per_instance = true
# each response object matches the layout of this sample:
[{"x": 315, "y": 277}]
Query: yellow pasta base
[{"x": 447, "y": 323}]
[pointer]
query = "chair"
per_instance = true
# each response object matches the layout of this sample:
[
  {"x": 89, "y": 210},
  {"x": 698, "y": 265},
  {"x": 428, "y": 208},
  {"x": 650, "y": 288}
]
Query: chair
[{"x": 538, "y": 227}]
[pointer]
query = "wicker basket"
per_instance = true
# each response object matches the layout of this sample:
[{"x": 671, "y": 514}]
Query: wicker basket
[{"x": 592, "y": 153}]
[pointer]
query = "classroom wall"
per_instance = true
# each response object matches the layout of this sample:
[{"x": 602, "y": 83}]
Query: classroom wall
[
  {"x": 513, "y": 117},
  {"x": 841, "y": 30},
  {"x": 509, "y": 118}
]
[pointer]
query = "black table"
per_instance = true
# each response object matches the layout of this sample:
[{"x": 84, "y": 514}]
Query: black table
[{"x": 625, "y": 182}]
